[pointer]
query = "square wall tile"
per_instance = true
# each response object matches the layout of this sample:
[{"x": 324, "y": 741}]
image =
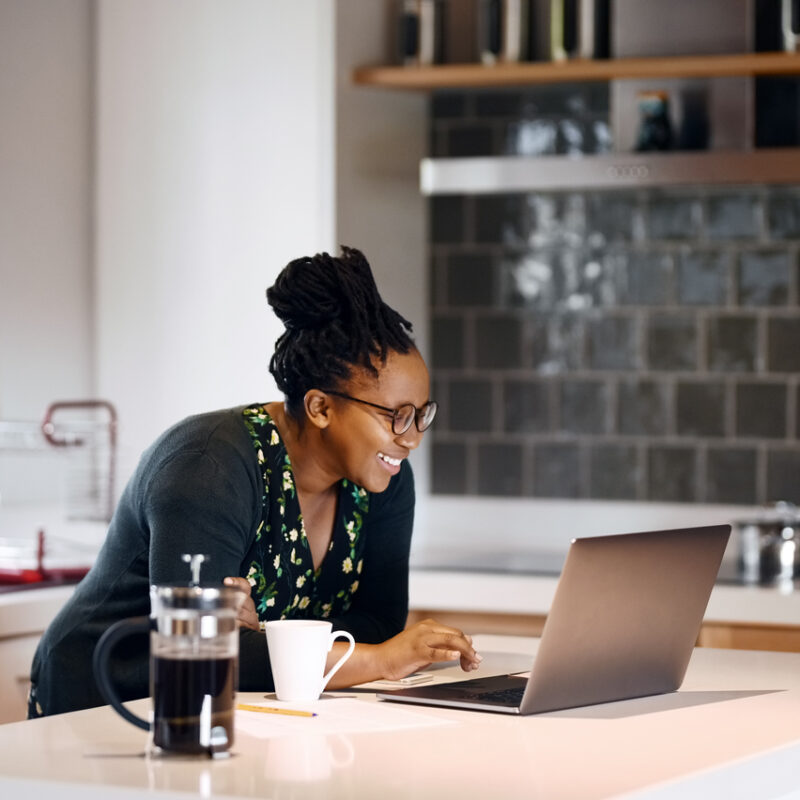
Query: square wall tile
[
  {"x": 556, "y": 470},
  {"x": 469, "y": 139},
  {"x": 761, "y": 410},
  {"x": 448, "y": 105},
  {"x": 649, "y": 280},
  {"x": 614, "y": 216},
  {"x": 672, "y": 474},
  {"x": 502, "y": 219},
  {"x": 469, "y": 402},
  {"x": 447, "y": 219},
  {"x": 555, "y": 344},
  {"x": 447, "y": 345},
  {"x": 703, "y": 278},
  {"x": 614, "y": 472},
  {"x": 700, "y": 409},
  {"x": 784, "y": 215},
  {"x": 642, "y": 408},
  {"x": 783, "y": 344},
  {"x": 612, "y": 343},
  {"x": 500, "y": 469},
  {"x": 583, "y": 406},
  {"x": 783, "y": 475},
  {"x": 764, "y": 278},
  {"x": 526, "y": 406},
  {"x": 449, "y": 468},
  {"x": 498, "y": 342},
  {"x": 672, "y": 341},
  {"x": 731, "y": 475},
  {"x": 674, "y": 217},
  {"x": 470, "y": 279},
  {"x": 732, "y": 344},
  {"x": 734, "y": 216}
]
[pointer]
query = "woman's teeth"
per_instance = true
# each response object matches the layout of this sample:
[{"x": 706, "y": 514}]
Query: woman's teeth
[{"x": 395, "y": 462}]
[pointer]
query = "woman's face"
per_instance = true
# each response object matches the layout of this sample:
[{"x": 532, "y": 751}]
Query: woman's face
[{"x": 362, "y": 443}]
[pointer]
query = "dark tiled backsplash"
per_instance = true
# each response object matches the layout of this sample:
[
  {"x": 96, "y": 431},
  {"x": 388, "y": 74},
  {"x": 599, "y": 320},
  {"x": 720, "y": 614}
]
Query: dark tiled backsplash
[{"x": 632, "y": 345}]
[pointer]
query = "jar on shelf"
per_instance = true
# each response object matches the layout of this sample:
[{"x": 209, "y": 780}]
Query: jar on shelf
[{"x": 655, "y": 127}]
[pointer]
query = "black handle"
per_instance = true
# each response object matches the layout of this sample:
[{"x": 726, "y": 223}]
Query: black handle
[{"x": 102, "y": 652}]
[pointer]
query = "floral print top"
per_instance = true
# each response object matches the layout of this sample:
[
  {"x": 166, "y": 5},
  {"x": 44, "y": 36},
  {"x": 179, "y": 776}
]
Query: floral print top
[{"x": 282, "y": 575}]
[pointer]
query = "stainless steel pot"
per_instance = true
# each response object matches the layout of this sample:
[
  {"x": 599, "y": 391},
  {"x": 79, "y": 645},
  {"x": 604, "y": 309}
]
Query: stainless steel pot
[{"x": 769, "y": 545}]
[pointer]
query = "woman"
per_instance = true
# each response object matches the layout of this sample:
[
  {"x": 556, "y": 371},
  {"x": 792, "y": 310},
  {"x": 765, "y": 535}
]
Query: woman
[{"x": 308, "y": 502}]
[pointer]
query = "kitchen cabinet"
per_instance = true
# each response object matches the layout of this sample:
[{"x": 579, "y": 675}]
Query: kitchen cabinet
[
  {"x": 738, "y": 617},
  {"x": 726, "y": 635}
]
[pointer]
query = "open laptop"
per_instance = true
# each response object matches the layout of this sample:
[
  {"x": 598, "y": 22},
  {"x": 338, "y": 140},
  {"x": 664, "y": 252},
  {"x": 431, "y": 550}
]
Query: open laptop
[{"x": 624, "y": 620}]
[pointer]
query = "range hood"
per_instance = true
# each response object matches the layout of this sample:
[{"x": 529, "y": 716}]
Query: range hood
[{"x": 509, "y": 174}]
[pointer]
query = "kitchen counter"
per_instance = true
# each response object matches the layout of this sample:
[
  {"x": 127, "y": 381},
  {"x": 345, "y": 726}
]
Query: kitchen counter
[{"x": 731, "y": 731}]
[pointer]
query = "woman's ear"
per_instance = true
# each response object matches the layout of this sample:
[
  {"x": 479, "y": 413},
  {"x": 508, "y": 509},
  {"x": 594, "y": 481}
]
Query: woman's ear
[{"x": 317, "y": 406}]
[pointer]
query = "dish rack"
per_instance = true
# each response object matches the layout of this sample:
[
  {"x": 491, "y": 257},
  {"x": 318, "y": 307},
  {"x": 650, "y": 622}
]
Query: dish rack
[{"x": 63, "y": 469}]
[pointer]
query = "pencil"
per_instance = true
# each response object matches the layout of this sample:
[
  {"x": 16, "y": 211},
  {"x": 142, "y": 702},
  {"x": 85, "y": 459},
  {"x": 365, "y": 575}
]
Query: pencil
[{"x": 272, "y": 710}]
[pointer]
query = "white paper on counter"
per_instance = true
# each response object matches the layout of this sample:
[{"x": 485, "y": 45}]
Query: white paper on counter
[{"x": 334, "y": 715}]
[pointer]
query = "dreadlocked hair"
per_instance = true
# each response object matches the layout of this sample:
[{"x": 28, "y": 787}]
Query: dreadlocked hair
[{"x": 335, "y": 320}]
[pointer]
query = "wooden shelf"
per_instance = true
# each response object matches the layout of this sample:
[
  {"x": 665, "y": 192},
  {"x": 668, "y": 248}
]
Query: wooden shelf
[{"x": 460, "y": 76}]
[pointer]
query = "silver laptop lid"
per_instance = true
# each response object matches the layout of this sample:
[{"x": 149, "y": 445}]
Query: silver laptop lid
[{"x": 625, "y": 617}]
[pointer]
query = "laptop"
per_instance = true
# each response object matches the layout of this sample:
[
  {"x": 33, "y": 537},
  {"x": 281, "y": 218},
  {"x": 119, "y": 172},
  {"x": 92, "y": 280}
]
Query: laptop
[{"x": 623, "y": 623}]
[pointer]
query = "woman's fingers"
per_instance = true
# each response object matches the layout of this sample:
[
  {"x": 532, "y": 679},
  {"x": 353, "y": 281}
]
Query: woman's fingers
[{"x": 247, "y": 615}]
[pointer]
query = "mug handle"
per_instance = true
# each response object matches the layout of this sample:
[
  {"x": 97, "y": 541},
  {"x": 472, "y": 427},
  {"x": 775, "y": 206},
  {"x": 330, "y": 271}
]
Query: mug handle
[
  {"x": 335, "y": 668},
  {"x": 102, "y": 652}
]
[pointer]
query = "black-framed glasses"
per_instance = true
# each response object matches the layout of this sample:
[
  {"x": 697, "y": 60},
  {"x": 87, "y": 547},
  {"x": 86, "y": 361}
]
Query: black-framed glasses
[{"x": 403, "y": 416}]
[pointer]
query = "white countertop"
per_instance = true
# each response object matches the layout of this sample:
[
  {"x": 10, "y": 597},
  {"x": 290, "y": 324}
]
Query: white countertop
[{"x": 732, "y": 731}]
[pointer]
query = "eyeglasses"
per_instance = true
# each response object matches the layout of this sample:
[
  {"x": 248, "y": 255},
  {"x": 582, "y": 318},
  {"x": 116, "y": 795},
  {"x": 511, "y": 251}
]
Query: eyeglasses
[{"x": 402, "y": 417}]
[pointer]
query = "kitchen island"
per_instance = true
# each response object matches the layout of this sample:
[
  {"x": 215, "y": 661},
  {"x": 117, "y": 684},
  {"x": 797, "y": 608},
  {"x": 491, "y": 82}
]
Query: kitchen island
[{"x": 733, "y": 731}]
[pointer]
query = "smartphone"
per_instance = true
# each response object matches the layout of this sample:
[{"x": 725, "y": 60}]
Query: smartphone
[{"x": 409, "y": 680}]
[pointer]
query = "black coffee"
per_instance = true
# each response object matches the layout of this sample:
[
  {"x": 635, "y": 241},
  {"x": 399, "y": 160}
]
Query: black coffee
[{"x": 179, "y": 689}]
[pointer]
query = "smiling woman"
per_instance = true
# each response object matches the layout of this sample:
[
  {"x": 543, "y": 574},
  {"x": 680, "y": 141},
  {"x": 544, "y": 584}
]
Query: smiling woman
[{"x": 307, "y": 503}]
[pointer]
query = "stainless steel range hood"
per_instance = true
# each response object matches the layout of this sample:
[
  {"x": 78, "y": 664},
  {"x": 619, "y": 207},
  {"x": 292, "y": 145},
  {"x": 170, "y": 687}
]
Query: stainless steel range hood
[{"x": 508, "y": 174}]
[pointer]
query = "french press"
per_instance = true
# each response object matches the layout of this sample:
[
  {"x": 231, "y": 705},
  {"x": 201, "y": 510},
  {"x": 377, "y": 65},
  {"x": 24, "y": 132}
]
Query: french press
[{"x": 194, "y": 665}]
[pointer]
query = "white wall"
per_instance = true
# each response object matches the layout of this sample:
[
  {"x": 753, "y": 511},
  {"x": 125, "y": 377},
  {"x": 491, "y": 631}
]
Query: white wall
[
  {"x": 215, "y": 167},
  {"x": 45, "y": 221}
]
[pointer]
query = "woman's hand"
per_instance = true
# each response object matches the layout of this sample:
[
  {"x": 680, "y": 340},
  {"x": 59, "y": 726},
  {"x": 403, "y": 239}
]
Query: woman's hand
[
  {"x": 422, "y": 644},
  {"x": 247, "y": 616}
]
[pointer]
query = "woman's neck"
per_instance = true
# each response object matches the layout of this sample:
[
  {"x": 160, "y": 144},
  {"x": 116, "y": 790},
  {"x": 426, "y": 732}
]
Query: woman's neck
[{"x": 311, "y": 477}]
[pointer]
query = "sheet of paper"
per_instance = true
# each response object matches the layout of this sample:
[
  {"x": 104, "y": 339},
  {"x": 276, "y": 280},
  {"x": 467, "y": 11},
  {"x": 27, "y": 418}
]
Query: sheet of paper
[{"x": 334, "y": 715}]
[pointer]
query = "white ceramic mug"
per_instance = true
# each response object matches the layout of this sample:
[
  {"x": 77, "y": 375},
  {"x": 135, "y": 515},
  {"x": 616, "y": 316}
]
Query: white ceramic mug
[{"x": 298, "y": 649}]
